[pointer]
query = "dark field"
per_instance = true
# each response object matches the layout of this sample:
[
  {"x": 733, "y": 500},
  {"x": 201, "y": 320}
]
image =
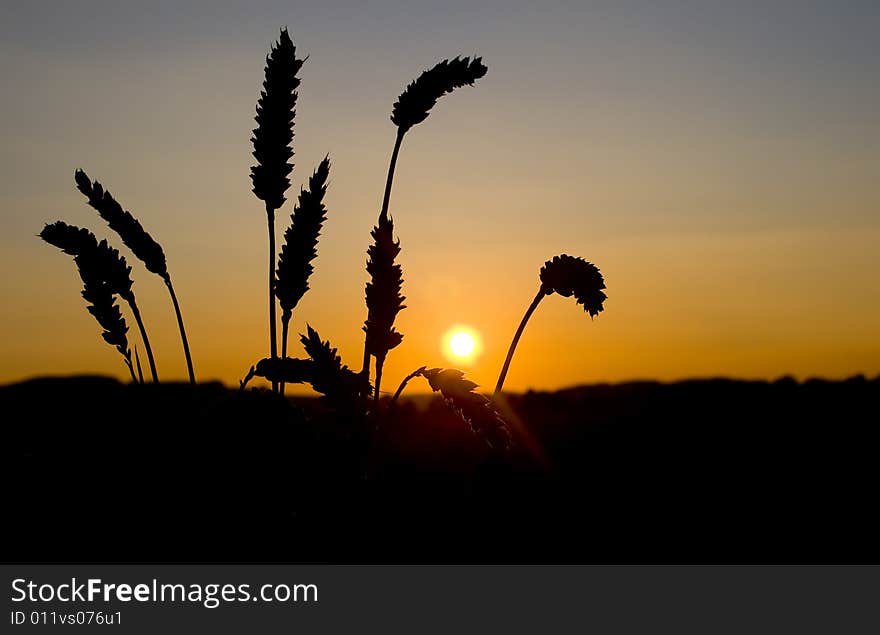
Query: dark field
[{"x": 697, "y": 471}]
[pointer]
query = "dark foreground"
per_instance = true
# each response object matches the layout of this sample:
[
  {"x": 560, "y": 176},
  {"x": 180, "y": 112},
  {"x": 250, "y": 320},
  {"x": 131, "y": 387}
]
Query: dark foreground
[{"x": 701, "y": 471}]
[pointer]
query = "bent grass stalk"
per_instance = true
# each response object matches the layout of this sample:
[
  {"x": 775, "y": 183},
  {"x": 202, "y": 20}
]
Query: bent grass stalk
[
  {"x": 516, "y": 336},
  {"x": 566, "y": 276}
]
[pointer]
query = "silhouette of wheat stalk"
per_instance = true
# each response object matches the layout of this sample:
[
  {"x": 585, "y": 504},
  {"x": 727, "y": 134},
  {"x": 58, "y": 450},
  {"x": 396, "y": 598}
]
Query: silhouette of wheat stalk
[
  {"x": 272, "y": 140},
  {"x": 567, "y": 276}
]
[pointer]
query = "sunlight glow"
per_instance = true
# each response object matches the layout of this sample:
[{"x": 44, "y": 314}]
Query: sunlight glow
[{"x": 462, "y": 345}]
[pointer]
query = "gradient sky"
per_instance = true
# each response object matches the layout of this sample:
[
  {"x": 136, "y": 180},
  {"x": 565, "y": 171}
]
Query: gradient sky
[{"x": 719, "y": 161}]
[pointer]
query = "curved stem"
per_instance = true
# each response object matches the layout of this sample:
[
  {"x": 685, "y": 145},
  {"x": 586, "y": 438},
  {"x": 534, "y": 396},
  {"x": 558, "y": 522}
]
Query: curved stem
[
  {"x": 242, "y": 384},
  {"x": 383, "y": 213},
  {"x": 285, "y": 321},
  {"x": 391, "y": 166},
  {"x": 189, "y": 362},
  {"x": 416, "y": 373},
  {"x": 516, "y": 336},
  {"x": 273, "y": 344},
  {"x": 137, "y": 316}
]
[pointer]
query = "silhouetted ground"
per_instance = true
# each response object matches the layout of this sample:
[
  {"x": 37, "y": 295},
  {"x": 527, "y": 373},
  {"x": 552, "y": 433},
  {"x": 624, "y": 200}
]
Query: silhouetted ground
[{"x": 697, "y": 471}]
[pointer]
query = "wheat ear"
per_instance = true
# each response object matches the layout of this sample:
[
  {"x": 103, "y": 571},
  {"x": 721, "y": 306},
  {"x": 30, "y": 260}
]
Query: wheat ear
[
  {"x": 104, "y": 275},
  {"x": 472, "y": 407}
]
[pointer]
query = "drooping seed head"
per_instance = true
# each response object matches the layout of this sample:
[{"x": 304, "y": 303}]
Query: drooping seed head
[
  {"x": 472, "y": 407},
  {"x": 104, "y": 274},
  {"x": 567, "y": 276},
  {"x": 414, "y": 104},
  {"x": 70, "y": 239},
  {"x": 96, "y": 260},
  {"x": 129, "y": 229}
]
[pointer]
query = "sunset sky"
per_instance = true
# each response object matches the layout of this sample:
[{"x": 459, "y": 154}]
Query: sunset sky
[{"x": 719, "y": 162}]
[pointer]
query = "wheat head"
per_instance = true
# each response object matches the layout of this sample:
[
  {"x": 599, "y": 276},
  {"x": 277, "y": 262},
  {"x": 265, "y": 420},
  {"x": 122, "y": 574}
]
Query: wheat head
[
  {"x": 301, "y": 242},
  {"x": 276, "y": 109},
  {"x": 124, "y": 224},
  {"x": 567, "y": 276},
  {"x": 383, "y": 291},
  {"x": 416, "y": 101},
  {"x": 473, "y": 407}
]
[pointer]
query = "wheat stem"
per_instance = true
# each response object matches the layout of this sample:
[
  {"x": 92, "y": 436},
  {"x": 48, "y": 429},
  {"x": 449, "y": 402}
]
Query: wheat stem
[
  {"x": 127, "y": 360},
  {"x": 365, "y": 369},
  {"x": 379, "y": 364},
  {"x": 391, "y": 167},
  {"x": 189, "y": 364},
  {"x": 519, "y": 331},
  {"x": 137, "y": 359},
  {"x": 285, "y": 322},
  {"x": 273, "y": 344},
  {"x": 137, "y": 316}
]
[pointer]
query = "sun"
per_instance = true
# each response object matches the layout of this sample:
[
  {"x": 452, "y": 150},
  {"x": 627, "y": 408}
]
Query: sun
[{"x": 461, "y": 344}]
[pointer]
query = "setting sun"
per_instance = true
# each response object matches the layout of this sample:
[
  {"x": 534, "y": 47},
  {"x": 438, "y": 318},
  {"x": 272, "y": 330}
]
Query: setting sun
[{"x": 461, "y": 344}]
